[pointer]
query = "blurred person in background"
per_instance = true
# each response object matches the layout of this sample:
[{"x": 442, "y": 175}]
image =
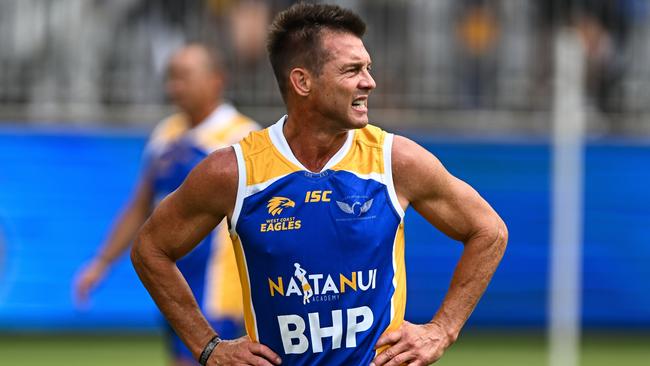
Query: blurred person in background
[
  {"x": 316, "y": 205},
  {"x": 604, "y": 26},
  {"x": 204, "y": 123},
  {"x": 477, "y": 32},
  {"x": 248, "y": 21}
]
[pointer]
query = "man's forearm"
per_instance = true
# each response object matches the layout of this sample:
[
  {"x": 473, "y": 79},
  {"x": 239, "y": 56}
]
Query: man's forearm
[
  {"x": 170, "y": 291},
  {"x": 127, "y": 224},
  {"x": 473, "y": 273},
  {"x": 122, "y": 234}
]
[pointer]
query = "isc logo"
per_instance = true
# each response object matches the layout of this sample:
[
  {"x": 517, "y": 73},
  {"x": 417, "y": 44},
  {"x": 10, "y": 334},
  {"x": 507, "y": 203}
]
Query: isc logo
[
  {"x": 292, "y": 329},
  {"x": 317, "y": 196}
]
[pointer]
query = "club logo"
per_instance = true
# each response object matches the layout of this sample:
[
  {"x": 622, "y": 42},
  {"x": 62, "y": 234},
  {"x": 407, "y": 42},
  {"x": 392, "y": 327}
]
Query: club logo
[
  {"x": 277, "y": 204},
  {"x": 356, "y": 208}
]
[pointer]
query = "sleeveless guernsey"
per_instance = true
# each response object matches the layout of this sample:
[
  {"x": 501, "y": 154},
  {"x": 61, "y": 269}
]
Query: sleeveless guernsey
[
  {"x": 320, "y": 255},
  {"x": 173, "y": 150}
]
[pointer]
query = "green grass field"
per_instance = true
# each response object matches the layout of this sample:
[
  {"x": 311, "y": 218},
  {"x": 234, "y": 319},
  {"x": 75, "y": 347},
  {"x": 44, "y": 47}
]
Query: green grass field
[{"x": 474, "y": 348}]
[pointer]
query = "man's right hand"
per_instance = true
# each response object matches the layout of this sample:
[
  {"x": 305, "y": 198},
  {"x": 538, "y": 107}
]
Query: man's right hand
[
  {"x": 243, "y": 351},
  {"x": 87, "y": 279}
]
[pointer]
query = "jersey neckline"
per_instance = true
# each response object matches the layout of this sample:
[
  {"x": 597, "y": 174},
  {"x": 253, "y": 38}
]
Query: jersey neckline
[
  {"x": 280, "y": 142},
  {"x": 217, "y": 119}
]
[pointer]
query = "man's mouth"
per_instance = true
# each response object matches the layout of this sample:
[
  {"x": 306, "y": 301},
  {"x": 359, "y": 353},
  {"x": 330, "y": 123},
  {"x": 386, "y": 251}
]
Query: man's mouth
[{"x": 360, "y": 104}]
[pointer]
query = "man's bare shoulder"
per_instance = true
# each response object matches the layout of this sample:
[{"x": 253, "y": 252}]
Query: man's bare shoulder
[
  {"x": 221, "y": 165},
  {"x": 405, "y": 152},
  {"x": 416, "y": 171}
]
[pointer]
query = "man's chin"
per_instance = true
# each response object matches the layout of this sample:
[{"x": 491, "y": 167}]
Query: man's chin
[{"x": 358, "y": 121}]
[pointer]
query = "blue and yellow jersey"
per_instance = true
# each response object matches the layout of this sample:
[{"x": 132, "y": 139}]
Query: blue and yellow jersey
[
  {"x": 320, "y": 255},
  {"x": 172, "y": 151}
]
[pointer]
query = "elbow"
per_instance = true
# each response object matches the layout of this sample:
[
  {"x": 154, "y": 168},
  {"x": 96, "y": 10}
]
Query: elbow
[
  {"x": 137, "y": 259},
  {"x": 140, "y": 253},
  {"x": 490, "y": 238},
  {"x": 146, "y": 256},
  {"x": 492, "y": 235},
  {"x": 501, "y": 238}
]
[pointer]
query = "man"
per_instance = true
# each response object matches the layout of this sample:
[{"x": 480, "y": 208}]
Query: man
[
  {"x": 204, "y": 124},
  {"x": 323, "y": 191}
]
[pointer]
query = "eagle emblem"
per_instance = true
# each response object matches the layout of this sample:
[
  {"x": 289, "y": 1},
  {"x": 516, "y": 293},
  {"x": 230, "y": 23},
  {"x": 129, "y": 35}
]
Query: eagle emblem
[
  {"x": 352, "y": 209},
  {"x": 277, "y": 204}
]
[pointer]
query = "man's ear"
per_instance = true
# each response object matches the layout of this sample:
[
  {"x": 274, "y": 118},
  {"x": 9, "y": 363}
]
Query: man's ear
[{"x": 301, "y": 81}]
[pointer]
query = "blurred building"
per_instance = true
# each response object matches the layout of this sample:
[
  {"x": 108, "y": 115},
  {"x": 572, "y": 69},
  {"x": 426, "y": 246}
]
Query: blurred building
[{"x": 436, "y": 62}]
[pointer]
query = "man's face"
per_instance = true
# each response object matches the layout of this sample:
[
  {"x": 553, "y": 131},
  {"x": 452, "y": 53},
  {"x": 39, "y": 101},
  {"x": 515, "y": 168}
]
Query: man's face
[
  {"x": 340, "y": 92},
  {"x": 192, "y": 84}
]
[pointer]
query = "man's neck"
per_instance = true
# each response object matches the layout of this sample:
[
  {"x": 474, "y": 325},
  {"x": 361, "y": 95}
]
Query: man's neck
[
  {"x": 312, "y": 142},
  {"x": 199, "y": 115}
]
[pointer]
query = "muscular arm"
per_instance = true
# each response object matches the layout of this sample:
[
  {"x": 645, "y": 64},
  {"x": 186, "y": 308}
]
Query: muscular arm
[
  {"x": 176, "y": 226},
  {"x": 118, "y": 240},
  {"x": 457, "y": 210}
]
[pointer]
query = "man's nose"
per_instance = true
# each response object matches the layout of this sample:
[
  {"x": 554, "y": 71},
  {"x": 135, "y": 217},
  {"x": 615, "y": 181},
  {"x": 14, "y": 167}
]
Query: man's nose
[{"x": 367, "y": 82}]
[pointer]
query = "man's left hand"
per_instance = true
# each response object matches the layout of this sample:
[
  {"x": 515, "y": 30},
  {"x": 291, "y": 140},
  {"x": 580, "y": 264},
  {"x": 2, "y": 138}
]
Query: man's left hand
[{"x": 412, "y": 345}]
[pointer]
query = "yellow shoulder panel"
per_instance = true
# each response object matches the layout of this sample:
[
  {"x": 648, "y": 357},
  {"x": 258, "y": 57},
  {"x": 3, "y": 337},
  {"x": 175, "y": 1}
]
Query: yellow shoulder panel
[
  {"x": 263, "y": 160},
  {"x": 234, "y": 131},
  {"x": 366, "y": 153},
  {"x": 170, "y": 129}
]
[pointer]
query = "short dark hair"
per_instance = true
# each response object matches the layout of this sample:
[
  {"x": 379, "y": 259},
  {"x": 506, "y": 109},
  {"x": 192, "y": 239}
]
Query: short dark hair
[{"x": 295, "y": 37}]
